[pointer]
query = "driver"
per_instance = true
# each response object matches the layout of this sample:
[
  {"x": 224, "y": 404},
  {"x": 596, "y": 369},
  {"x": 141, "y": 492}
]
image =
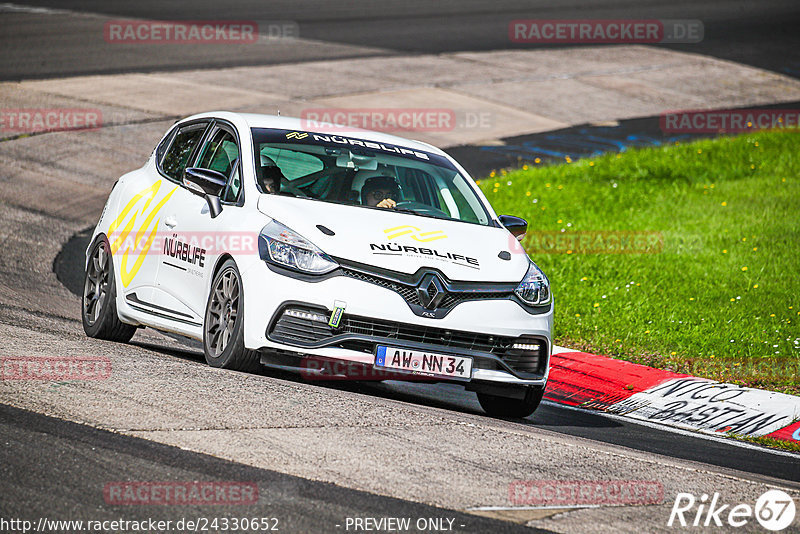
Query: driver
[
  {"x": 269, "y": 175},
  {"x": 380, "y": 191}
]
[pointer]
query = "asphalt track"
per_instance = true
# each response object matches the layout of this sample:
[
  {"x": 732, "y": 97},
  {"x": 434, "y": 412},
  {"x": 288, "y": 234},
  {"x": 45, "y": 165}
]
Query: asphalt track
[
  {"x": 758, "y": 33},
  {"x": 87, "y": 458},
  {"x": 60, "y": 475}
]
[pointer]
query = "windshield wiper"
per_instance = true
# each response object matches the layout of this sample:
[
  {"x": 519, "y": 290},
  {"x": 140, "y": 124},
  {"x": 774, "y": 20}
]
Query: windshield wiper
[{"x": 409, "y": 210}]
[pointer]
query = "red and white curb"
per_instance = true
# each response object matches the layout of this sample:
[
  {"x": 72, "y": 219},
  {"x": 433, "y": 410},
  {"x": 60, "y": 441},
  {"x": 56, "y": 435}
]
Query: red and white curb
[{"x": 656, "y": 396}]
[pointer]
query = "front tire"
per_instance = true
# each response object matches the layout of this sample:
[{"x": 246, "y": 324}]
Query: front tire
[
  {"x": 508, "y": 407},
  {"x": 99, "y": 303},
  {"x": 223, "y": 328}
]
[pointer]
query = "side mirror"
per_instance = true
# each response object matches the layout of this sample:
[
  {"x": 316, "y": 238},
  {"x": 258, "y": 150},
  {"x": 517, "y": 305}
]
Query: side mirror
[
  {"x": 208, "y": 184},
  {"x": 515, "y": 225}
]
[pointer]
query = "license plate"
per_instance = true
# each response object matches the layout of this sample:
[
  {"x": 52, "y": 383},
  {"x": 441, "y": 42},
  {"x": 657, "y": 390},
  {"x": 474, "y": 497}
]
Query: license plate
[{"x": 424, "y": 363}]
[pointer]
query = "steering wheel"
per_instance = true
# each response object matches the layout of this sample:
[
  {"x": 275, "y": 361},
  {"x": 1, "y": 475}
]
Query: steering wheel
[
  {"x": 288, "y": 187},
  {"x": 421, "y": 208}
]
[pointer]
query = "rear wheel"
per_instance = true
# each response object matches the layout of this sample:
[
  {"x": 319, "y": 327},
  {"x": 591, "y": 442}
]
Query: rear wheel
[
  {"x": 223, "y": 328},
  {"x": 507, "y": 407},
  {"x": 99, "y": 303}
]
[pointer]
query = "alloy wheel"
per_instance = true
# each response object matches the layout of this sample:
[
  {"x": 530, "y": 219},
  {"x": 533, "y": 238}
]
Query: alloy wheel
[
  {"x": 222, "y": 312},
  {"x": 95, "y": 289}
]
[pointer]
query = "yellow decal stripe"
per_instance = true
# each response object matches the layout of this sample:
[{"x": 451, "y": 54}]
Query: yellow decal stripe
[
  {"x": 417, "y": 235},
  {"x": 398, "y": 234},
  {"x": 149, "y": 219},
  {"x": 148, "y": 194},
  {"x": 127, "y": 276},
  {"x": 401, "y": 228},
  {"x": 124, "y": 234},
  {"x": 152, "y": 190},
  {"x": 398, "y": 231},
  {"x": 427, "y": 237}
]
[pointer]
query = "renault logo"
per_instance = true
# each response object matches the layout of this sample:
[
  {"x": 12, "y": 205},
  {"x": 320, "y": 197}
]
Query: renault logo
[
  {"x": 296, "y": 135},
  {"x": 430, "y": 291}
]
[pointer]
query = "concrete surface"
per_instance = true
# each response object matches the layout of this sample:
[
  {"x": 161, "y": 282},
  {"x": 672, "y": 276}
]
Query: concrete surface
[{"x": 512, "y": 92}]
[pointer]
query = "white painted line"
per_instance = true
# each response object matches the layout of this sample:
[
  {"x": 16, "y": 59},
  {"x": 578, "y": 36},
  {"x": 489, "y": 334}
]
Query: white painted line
[
  {"x": 17, "y": 8},
  {"x": 514, "y": 508}
]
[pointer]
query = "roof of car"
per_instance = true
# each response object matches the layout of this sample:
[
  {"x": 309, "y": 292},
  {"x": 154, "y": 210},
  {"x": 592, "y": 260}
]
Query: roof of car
[{"x": 280, "y": 122}]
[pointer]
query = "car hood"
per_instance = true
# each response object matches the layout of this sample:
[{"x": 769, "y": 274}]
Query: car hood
[{"x": 400, "y": 241}]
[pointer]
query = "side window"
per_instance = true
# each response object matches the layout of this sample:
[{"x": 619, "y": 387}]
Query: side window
[
  {"x": 183, "y": 144},
  {"x": 162, "y": 147},
  {"x": 221, "y": 154},
  {"x": 234, "y": 186}
]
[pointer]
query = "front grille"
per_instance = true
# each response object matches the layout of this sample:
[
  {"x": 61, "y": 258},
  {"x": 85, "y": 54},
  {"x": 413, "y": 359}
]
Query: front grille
[
  {"x": 529, "y": 360},
  {"x": 409, "y": 291},
  {"x": 301, "y": 325},
  {"x": 305, "y": 325},
  {"x": 453, "y": 299},
  {"x": 426, "y": 335}
]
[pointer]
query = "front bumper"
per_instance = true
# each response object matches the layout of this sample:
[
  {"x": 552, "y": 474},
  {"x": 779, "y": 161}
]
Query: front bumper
[{"x": 288, "y": 315}]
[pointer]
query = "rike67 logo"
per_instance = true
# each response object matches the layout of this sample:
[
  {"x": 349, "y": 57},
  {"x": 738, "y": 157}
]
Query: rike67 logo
[{"x": 774, "y": 510}]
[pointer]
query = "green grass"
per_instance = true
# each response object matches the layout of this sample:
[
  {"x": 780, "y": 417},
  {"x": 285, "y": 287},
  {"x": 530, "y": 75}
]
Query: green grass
[
  {"x": 772, "y": 443},
  {"x": 718, "y": 296}
]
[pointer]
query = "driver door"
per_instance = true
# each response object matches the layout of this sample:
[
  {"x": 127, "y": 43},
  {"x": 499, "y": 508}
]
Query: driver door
[
  {"x": 136, "y": 236},
  {"x": 195, "y": 240}
]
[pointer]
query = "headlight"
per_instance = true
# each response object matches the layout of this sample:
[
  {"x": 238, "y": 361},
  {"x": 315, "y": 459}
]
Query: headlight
[
  {"x": 279, "y": 245},
  {"x": 534, "y": 288}
]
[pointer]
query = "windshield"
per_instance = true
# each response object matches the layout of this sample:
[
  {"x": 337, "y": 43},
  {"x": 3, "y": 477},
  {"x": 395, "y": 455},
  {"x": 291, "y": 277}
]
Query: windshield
[{"x": 345, "y": 170}]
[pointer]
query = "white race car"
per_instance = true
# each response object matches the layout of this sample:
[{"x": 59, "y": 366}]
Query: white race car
[{"x": 334, "y": 252}]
